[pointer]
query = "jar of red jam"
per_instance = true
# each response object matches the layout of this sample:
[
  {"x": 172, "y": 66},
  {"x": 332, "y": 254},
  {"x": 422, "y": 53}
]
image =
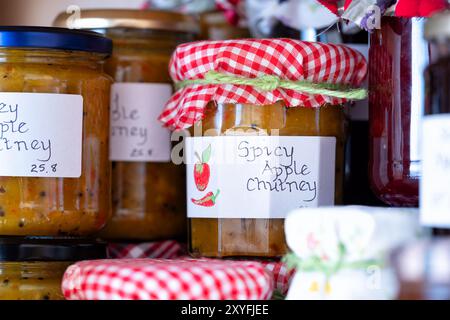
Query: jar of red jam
[{"x": 398, "y": 55}]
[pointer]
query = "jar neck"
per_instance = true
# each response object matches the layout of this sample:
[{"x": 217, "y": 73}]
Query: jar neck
[{"x": 89, "y": 60}]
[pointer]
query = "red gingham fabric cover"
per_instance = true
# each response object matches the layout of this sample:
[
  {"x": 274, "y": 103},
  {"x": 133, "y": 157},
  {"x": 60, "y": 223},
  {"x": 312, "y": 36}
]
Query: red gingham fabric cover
[
  {"x": 286, "y": 58},
  {"x": 281, "y": 276},
  {"x": 151, "y": 279},
  {"x": 157, "y": 250}
]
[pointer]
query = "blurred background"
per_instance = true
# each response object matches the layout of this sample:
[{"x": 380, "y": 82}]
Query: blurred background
[{"x": 42, "y": 12}]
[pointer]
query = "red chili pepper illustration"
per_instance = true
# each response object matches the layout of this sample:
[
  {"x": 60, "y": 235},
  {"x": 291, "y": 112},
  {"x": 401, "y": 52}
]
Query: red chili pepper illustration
[
  {"x": 202, "y": 171},
  {"x": 207, "y": 201}
]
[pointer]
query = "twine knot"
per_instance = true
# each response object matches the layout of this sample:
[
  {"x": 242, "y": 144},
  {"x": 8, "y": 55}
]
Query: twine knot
[{"x": 268, "y": 83}]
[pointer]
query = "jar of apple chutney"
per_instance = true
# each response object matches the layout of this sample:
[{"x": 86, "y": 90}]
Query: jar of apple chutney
[
  {"x": 54, "y": 129},
  {"x": 33, "y": 269},
  {"x": 267, "y": 135},
  {"x": 148, "y": 189}
]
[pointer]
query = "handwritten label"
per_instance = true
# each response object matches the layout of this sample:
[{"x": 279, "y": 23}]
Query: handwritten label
[
  {"x": 40, "y": 135},
  {"x": 136, "y": 133},
  {"x": 258, "y": 176},
  {"x": 434, "y": 186}
]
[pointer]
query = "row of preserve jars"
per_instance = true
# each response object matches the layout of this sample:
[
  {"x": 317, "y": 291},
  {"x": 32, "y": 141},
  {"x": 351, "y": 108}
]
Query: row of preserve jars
[
  {"x": 55, "y": 130},
  {"x": 55, "y": 93}
]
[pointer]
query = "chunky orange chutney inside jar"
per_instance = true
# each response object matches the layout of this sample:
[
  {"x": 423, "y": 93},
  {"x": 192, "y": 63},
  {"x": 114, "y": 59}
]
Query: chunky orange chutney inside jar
[
  {"x": 33, "y": 268},
  {"x": 263, "y": 237},
  {"x": 148, "y": 189},
  {"x": 54, "y": 117},
  {"x": 266, "y": 130}
]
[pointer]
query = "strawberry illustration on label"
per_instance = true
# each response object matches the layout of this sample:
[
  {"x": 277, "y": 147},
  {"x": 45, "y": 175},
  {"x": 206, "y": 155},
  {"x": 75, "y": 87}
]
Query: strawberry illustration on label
[
  {"x": 202, "y": 171},
  {"x": 207, "y": 201}
]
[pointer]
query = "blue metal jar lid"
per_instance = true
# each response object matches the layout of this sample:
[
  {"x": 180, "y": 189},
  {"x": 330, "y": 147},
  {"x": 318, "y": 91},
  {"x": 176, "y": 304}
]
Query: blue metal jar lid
[{"x": 54, "y": 38}]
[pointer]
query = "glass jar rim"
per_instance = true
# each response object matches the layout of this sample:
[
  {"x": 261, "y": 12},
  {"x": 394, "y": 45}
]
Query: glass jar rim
[
  {"x": 31, "y": 249},
  {"x": 94, "y": 19}
]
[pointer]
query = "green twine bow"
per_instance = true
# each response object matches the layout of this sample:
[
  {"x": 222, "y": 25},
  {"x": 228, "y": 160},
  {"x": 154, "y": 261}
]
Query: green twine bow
[
  {"x": 316, "y": 264},
  {"x": 271, "y": 83}
]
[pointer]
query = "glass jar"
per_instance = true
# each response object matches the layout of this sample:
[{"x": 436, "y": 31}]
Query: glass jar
[
  {"x": 54, "y": 101},
  {"x": 434, "y": 192},
  {"x": 148, "y": 189},
  {"x": 397, "y": 57},
  {"x": 422, "y": 270},
  {"x": 357, "y": 186},
  {"x": 214, "y": 26},
  {"x": 265, "y": 127},
  {"x": 262, "y": 237},
  {"x": 32, "y": 269}
]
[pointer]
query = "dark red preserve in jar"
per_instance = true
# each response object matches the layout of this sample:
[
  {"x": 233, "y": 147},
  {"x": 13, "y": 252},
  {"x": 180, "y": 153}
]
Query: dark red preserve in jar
[{"x": 398, "y": 55}]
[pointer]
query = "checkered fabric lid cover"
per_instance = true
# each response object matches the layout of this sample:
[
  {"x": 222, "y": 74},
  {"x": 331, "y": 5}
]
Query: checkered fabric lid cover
[
  {"x": 281, "y": 276},
  {"x": 152, "y": 279},
  {"x": 156, "y": 250},
  {"x": 288, "y": 59}
]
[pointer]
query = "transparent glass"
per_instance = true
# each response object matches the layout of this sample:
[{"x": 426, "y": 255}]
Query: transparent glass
[
  {"x": 397, "y": 57},
  {"x": 422, "y": 269},
  {"x": 437, "y": 77},
  {"x": 60, "y": 206},
  {"x": 32, "y": 280},
  {"x": 262, "y": 237},
  {"x": 148, "y": 197}
]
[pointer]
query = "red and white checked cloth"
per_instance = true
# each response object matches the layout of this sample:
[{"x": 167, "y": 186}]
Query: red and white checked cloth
[
  {"x": 155, "y": 250},
  {"x": 286, "y": 58},
  {"x": 281, "y": 276},
  {"x": 150, "y": 279}
]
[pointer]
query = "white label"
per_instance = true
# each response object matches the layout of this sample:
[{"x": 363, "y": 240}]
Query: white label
[
  {"x": 435, "y": 182},
  {"x": 136, "y": 133},
  {"x": 258, "y": 176},
  {"x": 40, "y": 135}
]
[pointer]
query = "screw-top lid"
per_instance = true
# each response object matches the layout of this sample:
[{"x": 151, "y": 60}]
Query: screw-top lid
[
  {"x": 29, "y": 249},
  {"x": 54, "y": 38},
  {"x": 438, "y": 27},
  {"x": 134, "y": 19}
]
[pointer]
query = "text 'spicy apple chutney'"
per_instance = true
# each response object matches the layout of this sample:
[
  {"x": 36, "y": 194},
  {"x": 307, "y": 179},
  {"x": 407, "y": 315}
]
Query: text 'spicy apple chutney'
[{"x": 267, "y": 135}]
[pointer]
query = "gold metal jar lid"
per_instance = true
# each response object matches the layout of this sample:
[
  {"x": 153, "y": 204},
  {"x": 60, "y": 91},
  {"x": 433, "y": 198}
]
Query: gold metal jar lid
[
  {"x": 438, "y": 26},
  {"x": 134, "y": 19}
]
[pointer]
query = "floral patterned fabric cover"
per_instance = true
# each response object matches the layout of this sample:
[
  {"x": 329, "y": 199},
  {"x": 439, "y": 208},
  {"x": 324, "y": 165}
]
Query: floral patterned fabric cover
[{"x": 343, "y": 252}]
